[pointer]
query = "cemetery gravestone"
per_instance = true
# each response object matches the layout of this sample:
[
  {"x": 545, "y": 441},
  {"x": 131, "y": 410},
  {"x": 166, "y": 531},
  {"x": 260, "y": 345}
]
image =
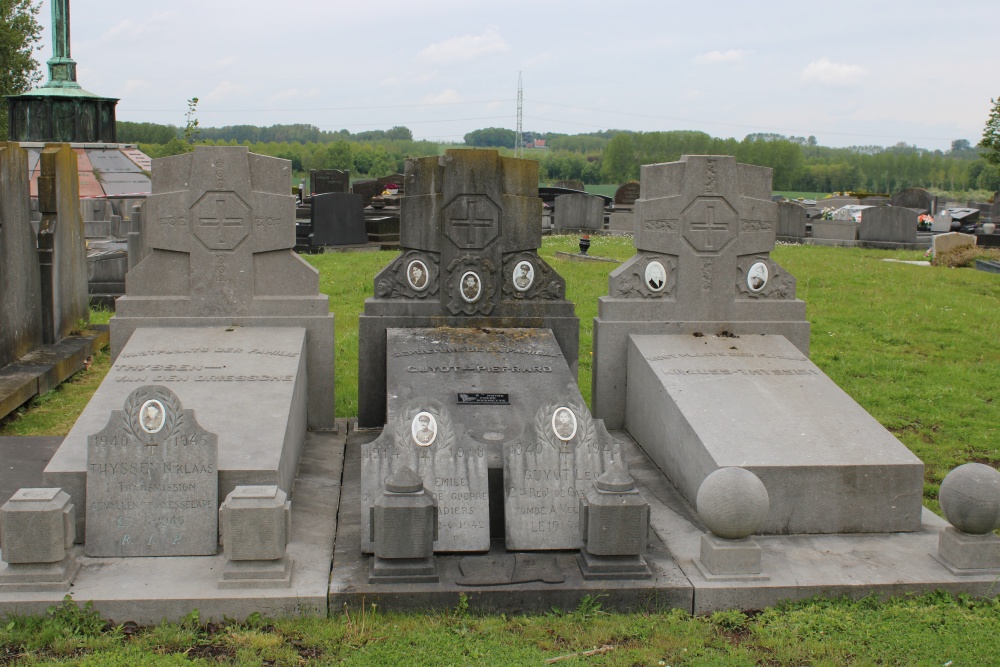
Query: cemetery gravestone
[
  {"x": 152, "y": 481},
  {"x": 424, "y": 437},
  {"x": 579, "y": 211},
  {"x": 570, "y": 185},
  {"x": 915, "y": 198},
  {"x": 61, "y": 244},
  {"x": 704, "y": 232},
  {"x": 888, "y": 224},
  {"x": 20, "y": 281},
  {"x": 791, "y": 221},
  {"x": 323, "y": 181},
  {"x": 338, "y": 219},
  {"x": 626, "y": 194},
  {"x": 834, "y": 230},
  {"x": 220, "y": 228},
  {"x": 469, "y": 232}
]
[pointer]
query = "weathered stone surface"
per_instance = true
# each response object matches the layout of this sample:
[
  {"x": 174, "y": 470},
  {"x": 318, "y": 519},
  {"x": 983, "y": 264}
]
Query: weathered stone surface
[
  {"x": 220, "y": 227},
  {"x": 970, "y": 498},
  {"x": 791, "y": 220},
  {"x": 247, "y": 385},
  {"x": 916, "y": 198},
  {"x": 704, "y": 231},
  {"x": 20, "y": 282},
  {"x": 627, "y": 193},
  {"x": 579, "y": 211},
  {"x": 614, "y": 517},
  {"x": 61, "y": 245},
  {"x": 622, "y": 221},
  {"x": 322, "y": 181},
  {"x": 732, "y": 502},
  {"x": 255, "y": 523},
  {"x": 721, "y": 557},
  {"x": 37, "y": 526},
  {"x": 837, "y": 230},
  {"x": 424, "y": 437},
  {"x": 152, "y": 481},
  {"x": 338, "y": 219},
  {"x": 951, "y": 240},
  {"x": 892, "y": 224},
  {"x": 695, "y": 404},
  {"x": 962, "y": 551},
  {"x": 470, "y": 222},
  {"x": 547, "y": 469}
]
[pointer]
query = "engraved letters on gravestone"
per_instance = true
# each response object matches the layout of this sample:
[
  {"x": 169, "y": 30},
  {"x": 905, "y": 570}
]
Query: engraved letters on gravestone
[
  {"x": 152, "y": 481},
  {"x": 453, "y": 467},
  {"x": 548, "y": 468}
]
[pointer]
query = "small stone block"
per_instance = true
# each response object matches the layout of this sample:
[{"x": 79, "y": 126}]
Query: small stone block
[
  {"x": 403, "y": 570},
  {"x": 39, "y": 577},
  {"x": 257, "y": 574},
  {"x": 612, "y": 567},
  {"x": 730, "y": 557},
  {"x": 37, "y": 526},
  {"x": 962, "y": 551},
  {"x": 255, "y": 523}
]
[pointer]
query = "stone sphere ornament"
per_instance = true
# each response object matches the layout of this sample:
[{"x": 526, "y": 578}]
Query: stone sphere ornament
[
  {"x": 733, "y": 503},
  {"x": 970, "y": 498}
]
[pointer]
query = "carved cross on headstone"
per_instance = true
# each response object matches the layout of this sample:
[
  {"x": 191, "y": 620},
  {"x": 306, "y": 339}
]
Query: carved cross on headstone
[
  {"x": 710, "y": 223},
  {"x": 220, "y": 222},
  {"x": 470, "y": 222}
]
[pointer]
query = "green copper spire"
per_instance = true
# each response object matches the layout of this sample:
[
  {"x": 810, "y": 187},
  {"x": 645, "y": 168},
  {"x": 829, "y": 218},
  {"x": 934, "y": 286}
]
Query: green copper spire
[{"x": 62, "y": 68}]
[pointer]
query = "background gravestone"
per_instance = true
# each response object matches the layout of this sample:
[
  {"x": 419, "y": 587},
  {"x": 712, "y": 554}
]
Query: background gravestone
[
  {"x": 547, "y": 469},
  {"x": 570, "y": 185},
  {"x": 424, "y": 437},
  {"x": 322, "y": 181},
  {"x": 702, "y": 224},
  {"x": 220, "y": 225},
  {"x": 791, "y": 221},
  {"x": 468, "y": 215},
  {"x": 61, "y": 245},
  {"x": 579, "y": 211},
  {"x": 626, "y": 194},
  {"x": 20, "y": 282},
  {"x": 888, "y": 224},
  {"x": 152, "y": 481},
  {"x": 916, "y": 198},
  {"x": 338, "y": 219}
]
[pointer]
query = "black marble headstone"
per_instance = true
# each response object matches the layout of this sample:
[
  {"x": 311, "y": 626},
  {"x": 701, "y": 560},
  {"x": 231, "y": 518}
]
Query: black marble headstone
[{"x": 338, "y": 219}]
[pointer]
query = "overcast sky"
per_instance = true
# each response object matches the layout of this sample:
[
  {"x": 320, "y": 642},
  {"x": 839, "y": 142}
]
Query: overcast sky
[{"x": 872, "y": 72}]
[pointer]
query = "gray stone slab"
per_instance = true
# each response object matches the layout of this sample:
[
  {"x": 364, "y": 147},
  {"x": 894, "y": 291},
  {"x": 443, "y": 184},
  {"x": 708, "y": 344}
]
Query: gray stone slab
[
  {"x": 24, "y": 458},
  {"x": 622, "y": 221},
  {"x": 840, "y": 230},
  {"x": 471, "y": 222},
  {"x": 951, "y": 240},
  {"x": 148, "y": 590},
  {"x": 547, "y": 469},
  {"x": 791, "y": 220},
  {"x": 524, "y": 365},
  {"x": 322, "y": 181},
  {"x": 705, "y": 226},
  {"x": 579, "y": 211},
  {"x": 152, "y": 481},
  {"x": 20, "y": 280},
  {"x": 220, "y": 228},
  {"x": 248, "y": 385},
  {"x": 696, "y": 404},
  {"x": 125, "y": 183},
  {"x": 424, "y": 436},
  {"x": 892, "y": 224},
  {"x": 111, "y": 160},
  {"x": 915, "y": 198}
]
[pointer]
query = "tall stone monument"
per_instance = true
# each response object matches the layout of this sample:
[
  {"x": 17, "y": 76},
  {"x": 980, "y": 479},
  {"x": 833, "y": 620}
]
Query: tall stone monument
[
  {"x": 470, "y": 230},
  {"x": 221, "y": 227},
  {"x": 705, "y": 227}
]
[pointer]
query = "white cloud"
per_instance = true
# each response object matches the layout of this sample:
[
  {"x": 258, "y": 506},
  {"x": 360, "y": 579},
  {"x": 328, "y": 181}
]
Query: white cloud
[
  {"x": 716, "y": 57},
  {"x": 225, "y": 90},
  {"x": 831, "y": 73},
  {"x": 464, "y": 47},
  {"x": 449, "y": 96}
]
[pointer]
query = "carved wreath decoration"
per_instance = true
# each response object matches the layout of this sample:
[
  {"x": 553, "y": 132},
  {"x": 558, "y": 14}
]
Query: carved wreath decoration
[
  {"x": 586, "y": 431},
  {"x": 631, "y": 281},
  {"x": 779, "y": 285},
  {"x": 392, "y": 281},
  {"x": 174, "y": 417},
  {"x": 486, "y": 271},
  {"x": 547, "y": 284}
]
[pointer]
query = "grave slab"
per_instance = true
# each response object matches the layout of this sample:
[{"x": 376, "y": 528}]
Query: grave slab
[
  {"x": 246, "y": 384},
  {"x": 696, "y": 404}
]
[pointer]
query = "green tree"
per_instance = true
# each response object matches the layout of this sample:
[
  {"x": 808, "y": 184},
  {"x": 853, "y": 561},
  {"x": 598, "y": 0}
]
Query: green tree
[
  {"x": 191, "y": 123},
  {"x": 619, "y": 163},
  {"x": 991, "y": 134},
  {"x": 19, "y": 32}
]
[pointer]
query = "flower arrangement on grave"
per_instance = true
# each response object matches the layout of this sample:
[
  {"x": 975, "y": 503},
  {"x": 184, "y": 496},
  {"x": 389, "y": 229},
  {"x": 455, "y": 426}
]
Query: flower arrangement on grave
[{"x": 924, "y": 222}]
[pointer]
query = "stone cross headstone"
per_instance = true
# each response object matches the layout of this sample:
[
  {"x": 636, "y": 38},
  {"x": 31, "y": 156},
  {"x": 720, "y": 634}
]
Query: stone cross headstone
[
  {"x": 20, "y": 282},
  {"x": 220, "y": 226},
  {"x": 424, "y": 438},
  {"x": 547, "y": 469},
  {"x": 470, "y": 229},
  {"x": 705, "y": 229},
  {"x": 152, "y": 481}
]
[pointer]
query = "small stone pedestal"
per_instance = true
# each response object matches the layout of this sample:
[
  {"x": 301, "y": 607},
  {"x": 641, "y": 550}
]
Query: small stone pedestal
[
  {"x": 37, "y": 530},
  {"x": 403, "y": 529},
  {"x": 729, "y": 558},
  {"x": 614, "y": 524},
  {"x": 733, "y": 503},
  {"x": 968, "y": 554},
  {"x": 256, "y": 524}
]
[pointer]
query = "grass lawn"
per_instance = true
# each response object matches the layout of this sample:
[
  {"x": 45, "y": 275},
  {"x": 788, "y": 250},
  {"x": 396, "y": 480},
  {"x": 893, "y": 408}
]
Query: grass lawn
[{"x": 918, "y": 347}]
